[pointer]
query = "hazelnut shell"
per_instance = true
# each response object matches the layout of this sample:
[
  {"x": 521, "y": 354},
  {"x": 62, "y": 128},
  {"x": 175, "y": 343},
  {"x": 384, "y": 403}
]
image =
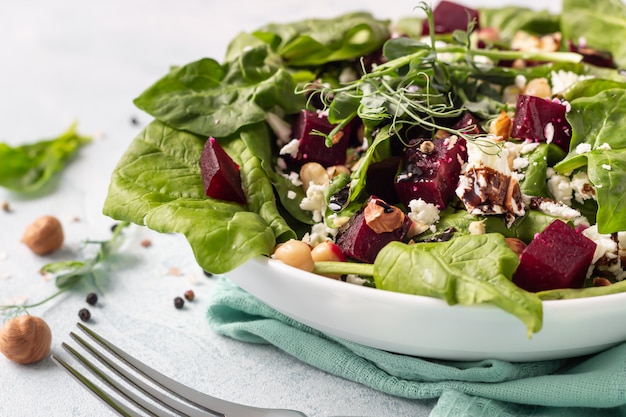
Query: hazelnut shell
[
  {"x": 25, "y": 339},
  {"x": 44, "y": 235}
]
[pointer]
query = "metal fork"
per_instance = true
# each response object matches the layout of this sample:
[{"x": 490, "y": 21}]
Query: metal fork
[{"x": 145, "y": 391}]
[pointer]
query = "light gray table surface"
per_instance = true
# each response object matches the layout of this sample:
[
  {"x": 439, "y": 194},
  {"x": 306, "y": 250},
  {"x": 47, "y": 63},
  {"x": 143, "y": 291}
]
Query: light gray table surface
[{"x": 81, "y": 61}]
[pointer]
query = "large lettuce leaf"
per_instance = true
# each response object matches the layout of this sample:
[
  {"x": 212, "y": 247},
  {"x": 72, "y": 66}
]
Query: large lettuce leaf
[{"x": 157, "y": 183}]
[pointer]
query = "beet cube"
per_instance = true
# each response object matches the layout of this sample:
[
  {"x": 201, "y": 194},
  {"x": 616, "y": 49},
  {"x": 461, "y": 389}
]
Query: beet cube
[
  {"x": 312, "y": 147},
  {"x": 450, "y": 16},
  {"x": 380, "y": 175},
  {"x": 541, "y": 120},
  {"x": 558, "y": 257},
  {"x": 592, "y": 56},
  {"x": 431, "y": 170},
  {"x": 220, "y": 174},
  {"x": 362, "y": 237}
]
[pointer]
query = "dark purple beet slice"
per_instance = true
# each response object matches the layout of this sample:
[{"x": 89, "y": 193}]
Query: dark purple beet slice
[
  {"x": 380, "y": 175},
  {"x": 220, "y": 174},
  {"x": 593, "y": 56},
  {"x": 558, "y": 257},
  {"x": 450, "y": 16},
  {"x": 431, "y": 176},
  {"x": 357, "y": 240},
  {"x": 312, "y": 147},
  {"x": 541, "y": 120}
]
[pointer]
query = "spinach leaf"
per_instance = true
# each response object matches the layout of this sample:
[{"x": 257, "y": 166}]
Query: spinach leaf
[
  {"x": 534, "y": 181},
  {"x": 591, "y": 87},
  {"x": 601, "y": 23},
  {"x": 157, "y": 183},
  {"x": 511, "y": 19},
  {"x": 312, "y": 42},
  {"x": 28, "y": 168},
  {"x": 598, "y": 121},
  {"x": 467, "y": 270},
  {"x": 210, "y": 99}
]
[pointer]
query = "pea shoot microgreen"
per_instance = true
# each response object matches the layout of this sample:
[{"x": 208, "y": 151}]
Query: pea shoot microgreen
[{"x": 68, "y": 273}]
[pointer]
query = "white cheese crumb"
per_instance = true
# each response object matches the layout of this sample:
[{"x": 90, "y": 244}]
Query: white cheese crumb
[
  {"x": 548, "y": 132},
  {"x": 562, "y": 80},
  {"x": 558, "y": 210},
  {"x": 477, "y": 228},
  {"x": 315, "y": 201},
  {"x": 320, "y": 232},
  {"x": 605, "y": 147},
  {"x": 294, "y": 178},
  {"x": 291, "y": 148},
  {"x": 607, "y": 167},
  {"x": 583, "y": 148},
  {"x": 520, "y": 81},
  {"x": 291, "y": 194},
  {"x": 355, "y": 279}
]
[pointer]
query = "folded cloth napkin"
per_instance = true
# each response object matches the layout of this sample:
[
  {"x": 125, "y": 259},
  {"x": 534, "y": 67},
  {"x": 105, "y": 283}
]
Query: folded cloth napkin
[{"x": 593, "y": 385}]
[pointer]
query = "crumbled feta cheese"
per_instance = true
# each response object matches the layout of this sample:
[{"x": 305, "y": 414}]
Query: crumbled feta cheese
[
  {"x": 355, "y": 279},
  {"x": 560, "y": 188},
  {"x": 606, "y": 166},
  {"x": 583, "y": 148},
  {"x": 320, "y": 232},
  {"x": 605, "y": 147},
  {"x": 423, "y": 212},
  {"x": 548, "y": 132},
  {"x": 291, "y": 194},
  {"x": 291, "y": 148},
  {"x": 348, "y": 75},
  {"x": 527, "y": 146},
  {"x": 562, "y": 80},
  {"x": 477, "y": 228},
  {"x": 294, "y": 178},
  {"x": 557, "y": 209},
  {"x": 583, "y": 190},
  {"x": 607, "y": 249},
  {"x": 315, "y": 200},
  {"x": 520, "y": 163},
  {"x": 520, "y": 81}
]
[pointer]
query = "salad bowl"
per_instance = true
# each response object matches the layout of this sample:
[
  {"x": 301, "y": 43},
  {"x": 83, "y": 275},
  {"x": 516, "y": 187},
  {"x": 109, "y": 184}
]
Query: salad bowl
[
  {"x": 287, "y": 95},
  {"x": 429, "y": 327}
]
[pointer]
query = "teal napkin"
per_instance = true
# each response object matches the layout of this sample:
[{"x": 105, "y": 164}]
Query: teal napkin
[{"x": 586, "y": 386}]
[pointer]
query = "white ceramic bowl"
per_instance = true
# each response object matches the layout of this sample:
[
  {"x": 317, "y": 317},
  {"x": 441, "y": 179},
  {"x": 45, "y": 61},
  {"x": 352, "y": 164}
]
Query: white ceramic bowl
[{"x": 428, "y": 327}]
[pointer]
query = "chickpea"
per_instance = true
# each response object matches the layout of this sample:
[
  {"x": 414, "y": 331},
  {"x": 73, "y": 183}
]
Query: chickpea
[
  {"x": 327, "y": 251},
  {"x": 538, "y": 87},
  {"x": 295, "y": 253},
  {"x": 312, "y": 172}
]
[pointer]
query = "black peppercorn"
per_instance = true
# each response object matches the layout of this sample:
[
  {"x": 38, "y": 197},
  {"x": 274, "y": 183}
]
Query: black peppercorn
[
  {"x": 92, "y": 298},
  {"x": 179, "y": 302},
  {"x": 84, "y": 314}
]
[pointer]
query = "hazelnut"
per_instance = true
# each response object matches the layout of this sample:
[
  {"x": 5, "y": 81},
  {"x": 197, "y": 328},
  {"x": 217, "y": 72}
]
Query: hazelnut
[
  {"x": 25, "y": 339},
  {"x": 44, "y": 235},
  {"x": 381, "y": 217},
  {"x": 515, "y": 244}
]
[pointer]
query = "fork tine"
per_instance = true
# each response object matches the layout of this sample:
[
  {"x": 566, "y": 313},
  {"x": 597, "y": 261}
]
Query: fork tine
[
  {"x": 101, "y": 395},
  {"x": 212, "y": 404},
  {"x": 149, "y": 407}
]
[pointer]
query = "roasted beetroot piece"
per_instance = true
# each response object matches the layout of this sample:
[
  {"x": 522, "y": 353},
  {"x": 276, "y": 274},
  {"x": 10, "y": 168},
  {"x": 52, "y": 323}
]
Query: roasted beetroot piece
[
  {"x": 220, "y": 174},
  {"x": 370, "y": 229},
  {"x": 593, "y": 56},
  {"x": 541, "y": 120},
  {"x": 469, "y": 124},
  {"x": 312, "y": 147},
  {"x": 558, "y": 257},
  {"x": 380, "y": 176},
  {"x": 431, "y": 169},
  {"x": 450, "y": 16}
]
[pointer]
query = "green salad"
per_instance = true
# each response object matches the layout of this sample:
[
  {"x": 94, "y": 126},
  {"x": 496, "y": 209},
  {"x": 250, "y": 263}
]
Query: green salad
[{"x": 476, "y": 88}]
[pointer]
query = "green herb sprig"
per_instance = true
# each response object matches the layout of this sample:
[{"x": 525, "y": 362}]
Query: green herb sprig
[{"x": 68, "y": 273}]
